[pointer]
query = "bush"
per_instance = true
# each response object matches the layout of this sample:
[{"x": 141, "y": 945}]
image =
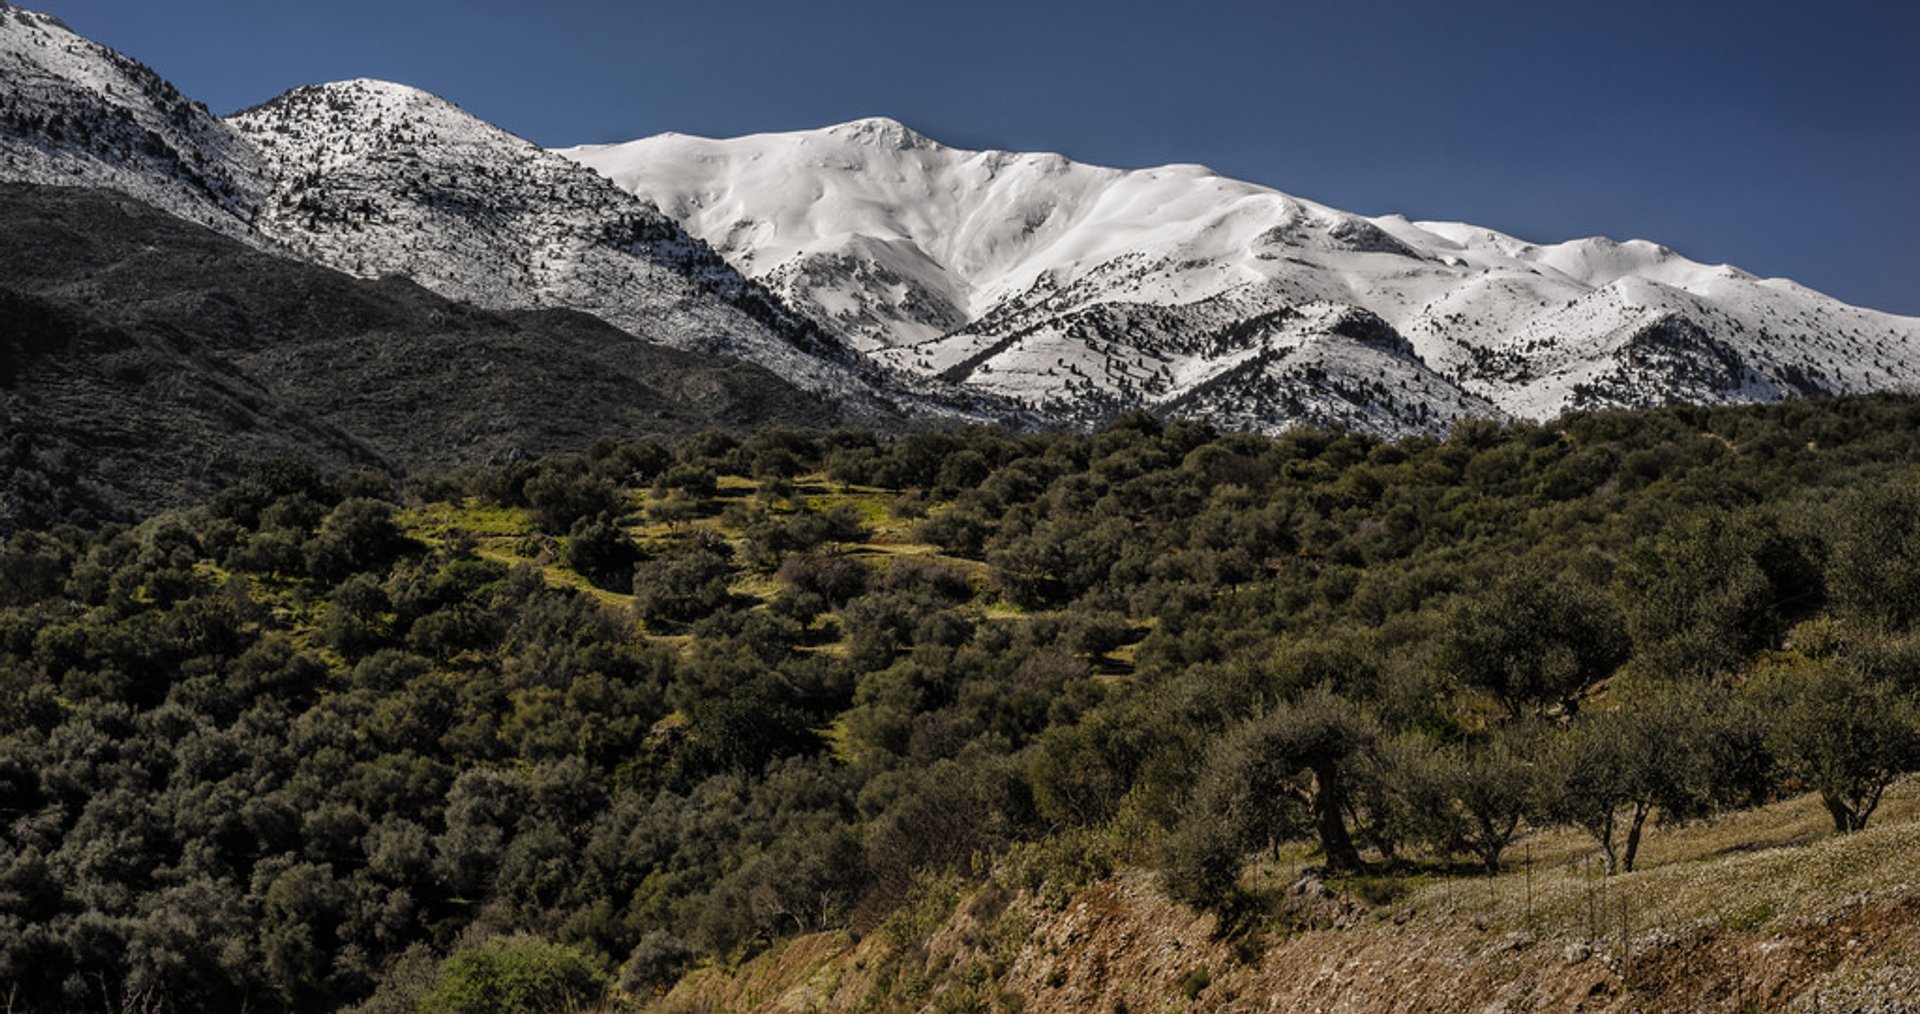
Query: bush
[
  {"x": 945, "y": 581},
  {"x": 561, "y": 497},
  {"x": 601, "y": 552},
  {"x": 835, "y": 577},
  {"x": 681, "y": 589},
  {"x": 359, "y": 535},
  {"x": 1840, "y": 733},
  {"x": 657, "y": 961},
  {"x": 515, "y": 974}
]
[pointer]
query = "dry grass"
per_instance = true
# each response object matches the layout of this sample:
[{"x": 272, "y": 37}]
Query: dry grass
[
  {"x": 1780, "y": 865},
  {"x": 1763, "y": 909}
]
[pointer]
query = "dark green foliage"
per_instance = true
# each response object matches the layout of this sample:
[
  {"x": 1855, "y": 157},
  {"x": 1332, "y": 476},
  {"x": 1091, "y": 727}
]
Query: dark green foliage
[
  {"x": 956, "y": 530},
  {"x": 771, "y": 537},
  {"x": 1712, "y": 589},
  {"x": 835, "y": 577},
  {"x": 359, "y": 535},
  {"x": 1534, "y": 639},
  {"x": 1486, "y": 789},
  {"x": 562, "y": 496},
  {"x": 1840, "y": 733},
  {"x": 602, "y": 553},
  {"x": 682, "y": 588},
  {"x": 1271, "y": 778},
  {"x": 269, "y": 754},
  {"x": 1669, "y": 751},
  {"x": 655, "y": 963},
  {"x": 1875, "y": 574}
]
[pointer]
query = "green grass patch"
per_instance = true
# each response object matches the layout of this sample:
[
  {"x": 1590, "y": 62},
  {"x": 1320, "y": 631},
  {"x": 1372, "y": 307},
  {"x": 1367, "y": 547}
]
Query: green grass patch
[{"x": 437, "y": 521}]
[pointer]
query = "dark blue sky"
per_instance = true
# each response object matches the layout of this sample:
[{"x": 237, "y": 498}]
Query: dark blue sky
[{"x": 1780, "y": 137}]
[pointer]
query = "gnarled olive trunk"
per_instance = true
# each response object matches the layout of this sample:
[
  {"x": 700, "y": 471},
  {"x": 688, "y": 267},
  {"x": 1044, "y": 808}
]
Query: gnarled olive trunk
[{"x": 1326, "y": 807}]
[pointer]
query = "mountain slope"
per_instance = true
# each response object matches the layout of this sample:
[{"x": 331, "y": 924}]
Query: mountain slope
[
  {"x": 147, "y": 361},
  {"x": 376, "y": 178},
  {"x": 905, "y": 278},
  {"x": 76, "y": 113},
  {"x": 1756, "y": 911},
  {"x": 950, "y": 262}
]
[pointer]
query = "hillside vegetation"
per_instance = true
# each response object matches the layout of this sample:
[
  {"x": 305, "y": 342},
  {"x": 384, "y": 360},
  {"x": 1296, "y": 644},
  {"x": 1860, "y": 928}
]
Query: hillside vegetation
[{"x": 562, "y": 732}]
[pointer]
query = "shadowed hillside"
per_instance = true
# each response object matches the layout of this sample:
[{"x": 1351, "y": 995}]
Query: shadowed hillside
[{"x": 146, "y": 362}]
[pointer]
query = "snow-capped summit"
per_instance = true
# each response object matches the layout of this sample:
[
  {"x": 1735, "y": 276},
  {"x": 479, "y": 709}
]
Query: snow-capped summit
[
  {"x": 376, "y": 178},
  {"x": 883, "y": 132},
  {"x": 1064, "y": 284}
]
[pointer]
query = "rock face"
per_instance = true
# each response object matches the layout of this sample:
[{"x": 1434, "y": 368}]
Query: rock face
[{"x": 1079, "y": 289}]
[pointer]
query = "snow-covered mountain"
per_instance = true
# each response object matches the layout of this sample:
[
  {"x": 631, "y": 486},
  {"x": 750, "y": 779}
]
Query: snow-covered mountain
[
  {"x": 1077, "y": 288},
  {"x": 891, "y": 271},
  {"x": 375, "y": 178},
  {"x": 75, "y": 113},
  {"x": 378, "y": 179}
]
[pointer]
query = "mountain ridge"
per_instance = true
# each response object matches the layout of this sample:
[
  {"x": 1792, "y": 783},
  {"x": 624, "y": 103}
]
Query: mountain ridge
[
  {"x": 148, "y": 361},
  {"x": 928, "y": 256}
]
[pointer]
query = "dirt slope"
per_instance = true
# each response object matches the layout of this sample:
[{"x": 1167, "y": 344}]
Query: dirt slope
[{"x": 1762, "y": 910}]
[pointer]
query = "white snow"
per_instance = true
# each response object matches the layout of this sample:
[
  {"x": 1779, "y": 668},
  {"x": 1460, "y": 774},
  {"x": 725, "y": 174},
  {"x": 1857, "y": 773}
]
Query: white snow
[
  {"x": 1000, "y": 255},
  {"x": 84, "y": 115}
]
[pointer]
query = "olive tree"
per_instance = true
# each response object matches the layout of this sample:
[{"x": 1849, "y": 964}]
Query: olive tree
[
  {"x": 1534, "y": 639},
  {"x": 1840, "y": 733}
]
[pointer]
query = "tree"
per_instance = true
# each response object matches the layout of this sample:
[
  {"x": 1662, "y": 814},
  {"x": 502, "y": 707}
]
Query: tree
[
  {"x": 1400, "y": 795},
  {"x": 1240, "y": 803},
  {"x": 359, "y": 535},
  {"x": 836, "y": 577},
  {"x": 1875, "y": 568},
  {"x": 562, "y": 496},
  {"x": 1654, "y": 757},
  {"x": 1703, "y": 596},
  {"x": 1842, "y": 734},
  {"x": 682, "y": 588},
  {"x": 1281, "y": 771},
  {"x": 602, "y": 553},
  {"x": 1490, "y": 784},
  {"x": 1534, "y": 639}
]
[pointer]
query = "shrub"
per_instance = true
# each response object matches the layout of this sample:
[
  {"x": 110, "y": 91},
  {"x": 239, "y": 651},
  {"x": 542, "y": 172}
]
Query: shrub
[
  {"x": 514, "y": 974},
  {"x": 561, "y": 497},
  {"x": 681, "y": 589},
  {"x": 835, "y": 577},
  {"x": 602, "y": 553}
]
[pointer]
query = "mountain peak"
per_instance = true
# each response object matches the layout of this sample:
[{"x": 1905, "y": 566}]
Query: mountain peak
[
  {"x": 392, "y": 91},
  {"x": 882, "y": 132},
  {"x": 360, "y": 96},
  {"x": 77, "y": 113},
  {"x": 1074, "y": 289},
  {"x": 27, "y": 17}
]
